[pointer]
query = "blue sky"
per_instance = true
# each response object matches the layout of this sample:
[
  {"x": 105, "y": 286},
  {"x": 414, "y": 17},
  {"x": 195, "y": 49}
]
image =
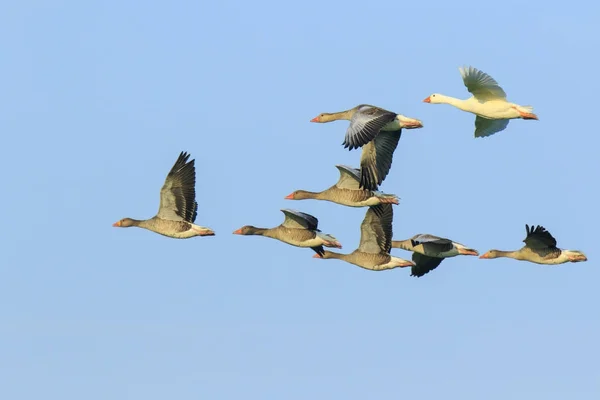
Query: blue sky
[{"x": 99, "y": 98}]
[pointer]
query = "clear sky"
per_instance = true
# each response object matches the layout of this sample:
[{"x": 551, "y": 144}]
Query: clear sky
[{"x": 99, "y": 97}]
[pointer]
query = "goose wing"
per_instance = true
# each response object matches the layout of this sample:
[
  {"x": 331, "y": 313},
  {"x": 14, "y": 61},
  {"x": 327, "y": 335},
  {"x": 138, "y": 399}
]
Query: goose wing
[
  {"x": 299, "y": 220},
  {"x": 376, "y": 230},
  {"x": 435, "y": 243},
  {"x": 425, "y": 264},
  {"x": 178, "y": 194},
  {"x": 365, "y": 125},
  {"x": 481, "y": 85},
  {"x": 349, "y": 177},
  {"x": 487, "y": 127},
  {"x": 376, "y": 159}
]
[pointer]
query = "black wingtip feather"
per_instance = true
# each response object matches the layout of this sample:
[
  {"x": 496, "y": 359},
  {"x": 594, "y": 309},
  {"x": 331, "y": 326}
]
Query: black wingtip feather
[{"x": 319, "y": 250}]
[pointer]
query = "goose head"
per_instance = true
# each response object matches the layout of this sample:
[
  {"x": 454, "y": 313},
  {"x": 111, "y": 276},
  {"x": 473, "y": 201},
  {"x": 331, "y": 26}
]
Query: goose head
[
  {"x": 298, "y": 195},
  {"x": 328, "y": 117},
  {"x": 247, "y": 230},
  {"x": 435, "y": 98},
  {"x": 491, "y": 254},
  {"x": 124, "y": 223}
]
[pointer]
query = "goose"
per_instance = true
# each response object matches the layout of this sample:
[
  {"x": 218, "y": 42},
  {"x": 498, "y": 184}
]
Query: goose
[
  {"x": 366, "y": 122},
  {"x": 540, "y": 248},
  {"x": 346, "y": 191},
  {"x": 373, "y": 252},
  {"x": 488, "y": 103},
  {"x": 378, "y": 131},
  {"x": 429, "y": 251},
  {"x": 298, "y": 229},
  {"x": 178, "y": 207}
]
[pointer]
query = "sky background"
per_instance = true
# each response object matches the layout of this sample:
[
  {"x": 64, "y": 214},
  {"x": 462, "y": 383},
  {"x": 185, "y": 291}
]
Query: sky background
[{"x": 99, "y": 97}]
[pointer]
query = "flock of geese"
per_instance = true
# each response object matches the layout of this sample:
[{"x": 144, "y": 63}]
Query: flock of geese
[{"x": 377, "y": 132}]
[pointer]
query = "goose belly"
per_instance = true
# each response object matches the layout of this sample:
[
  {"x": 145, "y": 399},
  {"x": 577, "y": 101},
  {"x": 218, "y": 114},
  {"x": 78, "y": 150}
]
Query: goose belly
[
  {"x": 172, "y": 229},
  {"x": 549, "y": 261},
  {"x": 373, "y": 262},
  {"x": 382, "y": 266},
  {"x": 183, "y": 235},
  {"x": 493, "y": 109},
  {"x": 371, "y": 201},
  {"x": 299, "y": 237},
  {"x": 355, "y": 198},
  {"x": 317, "y": 241}
]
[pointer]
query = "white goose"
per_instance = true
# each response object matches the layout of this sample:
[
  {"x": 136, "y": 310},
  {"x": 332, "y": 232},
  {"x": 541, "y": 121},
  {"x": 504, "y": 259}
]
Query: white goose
[{"x": 488, "y": 103}]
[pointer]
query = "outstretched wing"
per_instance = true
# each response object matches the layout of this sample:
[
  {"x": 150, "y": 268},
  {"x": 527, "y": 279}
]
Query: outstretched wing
[
  {"x": 376, "y": 159},
  {"x": 376, "y": 229},
  {"x": 299, "y": 220},
  {"x": 319, "y": 250},
  {"x": 178, "y": 194},
  {"x": 365, "y": 124},
  {"x": 487, "y": 127},
  {"x": 538, "y": 238},
  {"x": 481, "y": 85},
  {"x": 349, "y": 177},
  {"x": 425, "y": 264}
]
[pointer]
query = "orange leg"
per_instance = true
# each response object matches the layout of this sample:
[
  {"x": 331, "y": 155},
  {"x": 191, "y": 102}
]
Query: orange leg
[{"x": 526, "y": 115}]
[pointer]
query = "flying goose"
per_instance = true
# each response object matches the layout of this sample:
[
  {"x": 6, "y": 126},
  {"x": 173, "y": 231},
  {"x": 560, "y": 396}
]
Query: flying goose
[
  {"x": 373, "y": 252},
  {"x": 540, "y": 248},
  {"x": 377, "y": 131},
  {"x": 298, "y": 229},
  {"x": 346, "y": 191},
  {"x": 429, "y": 251},
  {"x": 178, "y": 207},
  {"x": 488, "y": 103}
]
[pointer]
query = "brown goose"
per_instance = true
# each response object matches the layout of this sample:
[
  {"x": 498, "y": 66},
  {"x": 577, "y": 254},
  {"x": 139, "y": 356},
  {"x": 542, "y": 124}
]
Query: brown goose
[
  {"x": 378, "y": 132},
  {"x": 346, "y": 191},
  {"x": 178, "y": 207},
  {"x": 298, "y": 229},
  {"x": 366, "y": 122},
  {"x": 540, "y": 248},
  {"x": 373, "y": 252},
  {"x": 429, "y": 251}
]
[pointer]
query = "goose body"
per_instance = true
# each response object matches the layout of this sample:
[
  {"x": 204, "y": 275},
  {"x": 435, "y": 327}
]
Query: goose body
[
  {"x": 429, "y": 251},
  {"x": 493, "y": 111},
  {"x": 298, "y": 229},
  {"x": 178, "y": 207},
  {"x": 347, "y": 192},
  {"x": 373, "y": 252},
  {"x": 540, "y": 248},
  {"x": 378, "y": 132}
]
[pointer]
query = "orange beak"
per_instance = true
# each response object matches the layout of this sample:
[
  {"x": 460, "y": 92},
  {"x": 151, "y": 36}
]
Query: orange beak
[
  {"x": 289, "y": 196},
  {"x": 117, "y": 224},
  {"x": 484, "y": 256},
  {"x": 238, "y": 232},
  {"x": 315, "y": 119},
  {"x": 317, "y": 256},
  {"x": 427, "y": 100}
]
